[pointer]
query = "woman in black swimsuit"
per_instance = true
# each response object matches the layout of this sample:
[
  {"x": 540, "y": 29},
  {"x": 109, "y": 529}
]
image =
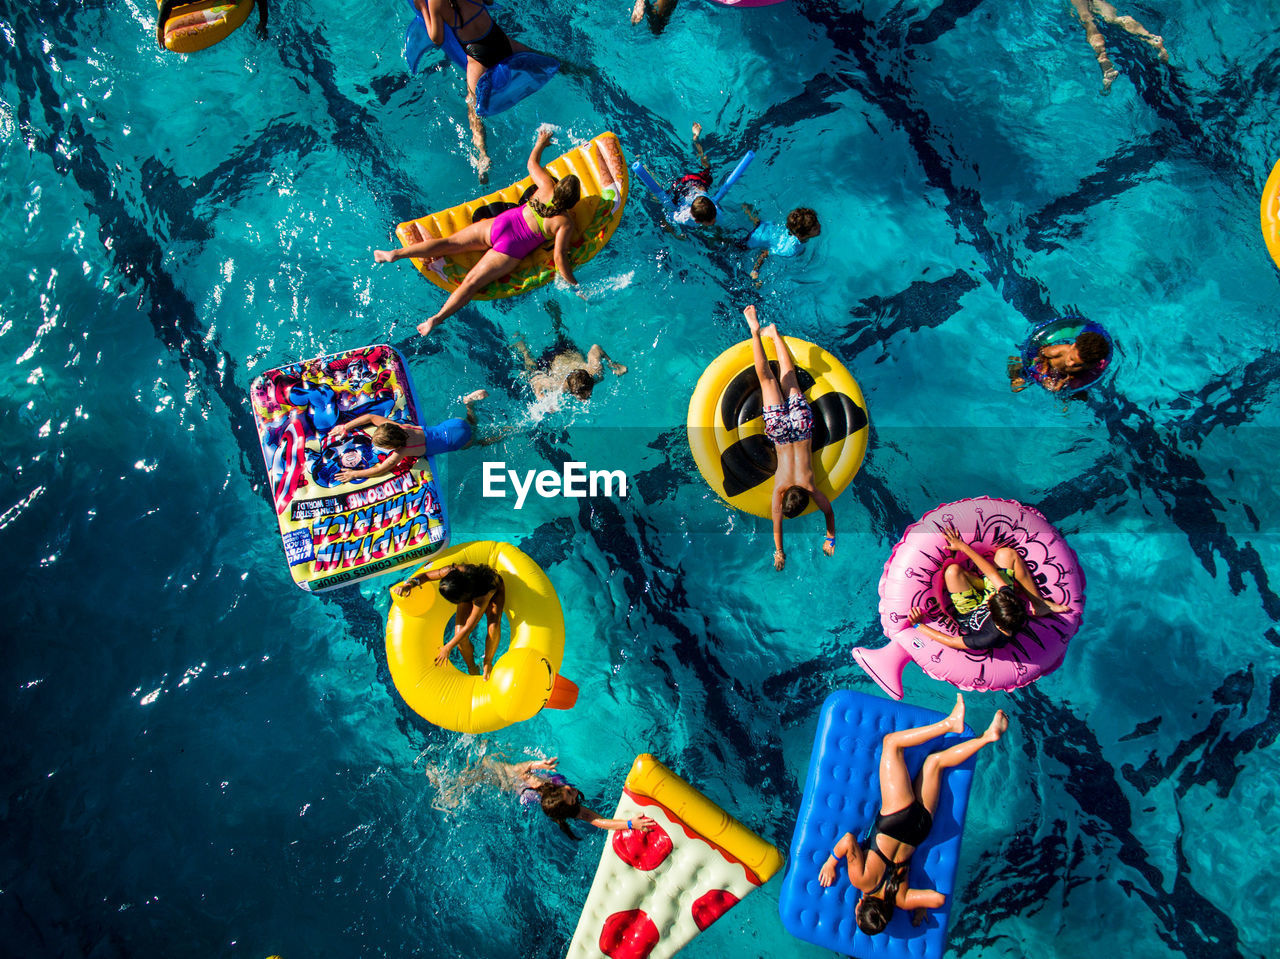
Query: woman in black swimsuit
[
  {"x": 879, "y": 866},
  {"x": 486, "y": 47}
]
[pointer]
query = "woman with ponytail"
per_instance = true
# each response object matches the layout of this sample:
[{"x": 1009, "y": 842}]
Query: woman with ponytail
[{"x": 507, "y": 238}]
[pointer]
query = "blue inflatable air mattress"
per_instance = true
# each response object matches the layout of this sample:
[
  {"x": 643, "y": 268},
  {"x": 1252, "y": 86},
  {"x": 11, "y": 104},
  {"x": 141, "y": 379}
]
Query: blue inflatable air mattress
[
  {"x": 842, "y": 794},
  {"x": 501, "y": 87}
]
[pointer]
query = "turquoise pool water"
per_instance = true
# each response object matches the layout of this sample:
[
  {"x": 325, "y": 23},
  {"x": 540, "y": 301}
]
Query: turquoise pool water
[{"x": 203, "y": 760}]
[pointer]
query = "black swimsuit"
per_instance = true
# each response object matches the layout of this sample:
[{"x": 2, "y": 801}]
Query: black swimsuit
[
  {"x": 908, "y": 826},
  {"x": 492, "y": 47}
]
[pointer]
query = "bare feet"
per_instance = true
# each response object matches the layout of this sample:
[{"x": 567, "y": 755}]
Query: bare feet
[
  {"x": 426, "y": 326},
  {"x": 752, "y": 322},
  {"x": 1158, "y": 43},
  {"x": 771, "y": 331},
  {"x": 475, "y": 396},
  {"x": 999, "y": 725},
  {"x": 637, "y": 12},
  {"x": 1057, "y": 607},
  {"x": 1109, "y": 77},
  {"x": 482, "y": 167},
  {"x": 383, "y": 256},
  {"x": 472, "y": 668},
  {"x": 918, "y": 916},
  {"x": 956, "y": 719},
  {"x": 697, "y": 130},
  {"x": 488, "y": 670},
  {"x": 618, "y": 369}
]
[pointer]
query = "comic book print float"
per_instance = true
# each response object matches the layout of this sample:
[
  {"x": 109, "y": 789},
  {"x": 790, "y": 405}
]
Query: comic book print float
[
  {"x": 336, "y": 534},
  {"x": 914, "y": 574},
  {"x": 655, "y": 891}
]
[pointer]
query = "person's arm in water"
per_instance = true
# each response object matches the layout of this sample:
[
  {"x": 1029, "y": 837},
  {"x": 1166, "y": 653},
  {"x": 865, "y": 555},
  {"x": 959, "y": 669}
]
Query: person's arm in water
[
  {"x": 916, "y": 619},
  {"x": 262, "y": 18},
  {"x": 824, "y": 504},
  {"x": 779, "y": 554},
  {"x": 377, "y": 469},
  {"x": 597, "y": 357},
  {"x": 755, "y": 270},
  {"x": 643, "y": 823},
  {"x": 523, "y": 772}
]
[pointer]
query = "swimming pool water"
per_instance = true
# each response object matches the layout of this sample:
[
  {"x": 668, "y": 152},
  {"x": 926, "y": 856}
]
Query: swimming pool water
[{"x": 203, "y": 760}]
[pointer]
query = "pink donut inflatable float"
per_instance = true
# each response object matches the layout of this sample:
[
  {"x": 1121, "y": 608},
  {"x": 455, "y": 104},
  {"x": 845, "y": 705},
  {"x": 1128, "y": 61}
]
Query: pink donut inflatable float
[{"x": 913, "y": 576}]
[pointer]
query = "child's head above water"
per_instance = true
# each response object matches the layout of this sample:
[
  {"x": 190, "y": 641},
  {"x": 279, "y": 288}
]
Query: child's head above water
[
  {"x": 803, "y": 224},
  {"x": 703, "y": 210},
  {"x": 580, "y": 384},
  {"x": 1091, "y": 348},
  {"x": 389, "y": 436},
  {"x": 794, "y": 502}
]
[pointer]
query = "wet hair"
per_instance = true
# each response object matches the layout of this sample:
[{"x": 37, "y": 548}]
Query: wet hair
[
  {"x": 1008, "y": 612},
  {"x": 1092, "y": 348},
  {"x": 794, "y": 501},
  {"x": 561, "y": 803},
  {"x": 390, "y": 437},
  {"x": 580, "y": 384},
  {"x": 564, "y": 198},
  {"x": 873, "y": 914},
  {"x": 464, "y": 583},
  {"x": 802, "y": 223},
  {"x": 703, "y": 210}
]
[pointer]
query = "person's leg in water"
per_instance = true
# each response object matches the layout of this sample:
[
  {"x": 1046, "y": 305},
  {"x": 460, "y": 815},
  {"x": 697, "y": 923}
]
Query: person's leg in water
[
  {"x": 1006, "y": 557},
  {"x": 697, "y": 147},
  {"x": 475, "y": 70},
  {"x": 477, "y": 438},
  {"x": 896, "y": 789},
  {"x": 770, "y": 391},
  {"x": 659, "y": 13},
  {"x": 1110, "y": 14},
  {"x": 469, "y": 239},
  {"x": 1095, "y": 38},
  {"x": 492, "y": 266}
]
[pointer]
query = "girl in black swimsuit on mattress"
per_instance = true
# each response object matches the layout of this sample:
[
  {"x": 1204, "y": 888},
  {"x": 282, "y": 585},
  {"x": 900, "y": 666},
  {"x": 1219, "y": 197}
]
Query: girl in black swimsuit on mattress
[
  {"x": 879, "y": 866},
  {"x": 486, "y": 47}
]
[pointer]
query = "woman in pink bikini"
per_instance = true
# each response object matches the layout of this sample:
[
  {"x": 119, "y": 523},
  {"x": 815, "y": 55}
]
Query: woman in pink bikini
[{"x": 508, "y": 237}]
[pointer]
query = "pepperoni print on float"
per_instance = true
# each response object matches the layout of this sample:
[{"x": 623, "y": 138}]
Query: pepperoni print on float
[
  {"x": 710, "y": 906},
  {"x": 628, "y": 935},
  {"x": 642, "y": 850}
]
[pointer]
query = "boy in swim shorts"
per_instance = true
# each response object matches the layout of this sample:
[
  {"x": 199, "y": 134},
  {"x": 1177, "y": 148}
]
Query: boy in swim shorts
[
  {"x": 408, "y": 442},
  {"x": 802, "y": 226},
  {"x": 691, "y": 190},
  {"x": 563, "y": 368},
  {"x": 788, "y": 423}
]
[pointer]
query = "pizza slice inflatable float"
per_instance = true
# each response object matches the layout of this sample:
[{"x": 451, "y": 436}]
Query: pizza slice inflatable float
[{"x": 654, "y": 891}]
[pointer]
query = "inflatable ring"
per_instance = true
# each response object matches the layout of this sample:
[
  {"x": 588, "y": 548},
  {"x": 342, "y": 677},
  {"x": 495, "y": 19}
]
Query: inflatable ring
[
  {"x": 726, "y": 425},
  {"x": 913, "y": 576},
  {"x": 1065, "y": 329},
  {"x": 524, "y": 679},
  {"x": 596, "y": 215},
  {"x": 1271, "y": 213},
  {"x": 195, "y": 26}
]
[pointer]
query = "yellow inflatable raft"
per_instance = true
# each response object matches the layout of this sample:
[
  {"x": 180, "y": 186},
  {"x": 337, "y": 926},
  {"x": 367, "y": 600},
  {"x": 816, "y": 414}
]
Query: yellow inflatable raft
[
  {"x": 726, "y": 425},
  {"x": 654, "y": 891},
  {"x": 1271, "y": 213},
  {"x": 602, "y": 169},
  {"x": 524, "y": 679},
  {"x": 194, "y": 26}
]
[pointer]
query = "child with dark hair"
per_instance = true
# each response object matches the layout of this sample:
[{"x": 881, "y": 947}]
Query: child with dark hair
[
  {"x": 476, "y": 589},
  {"x": 788, "y": 423},
  {"x": 802, "y": 225},
  {"x": 563, "y": 368},
  {"x": 562, "y": 802},
  {"x": 1061, "y": 365},
  {"x": 692, "y": 189},
  {"x": 991, "y": 608},
  {"x": 408, "y": 442},
  {"x": 878, "y": 867}
]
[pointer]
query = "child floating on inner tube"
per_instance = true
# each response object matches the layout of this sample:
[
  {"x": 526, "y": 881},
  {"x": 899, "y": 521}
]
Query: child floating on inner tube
[
  {"x": 990, "y": 609},
  {"x": 476, "y": 589},
  {"x": 1058, "y": 364},
  {"x": 788, "y": 422}
]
